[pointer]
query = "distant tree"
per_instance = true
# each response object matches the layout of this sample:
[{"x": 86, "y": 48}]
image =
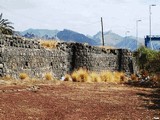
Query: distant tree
[{"x": 5, "y": 26}]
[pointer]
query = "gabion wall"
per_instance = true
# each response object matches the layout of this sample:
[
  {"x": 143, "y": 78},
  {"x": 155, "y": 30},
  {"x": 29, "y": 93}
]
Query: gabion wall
[{"x": 18, "y": 55}]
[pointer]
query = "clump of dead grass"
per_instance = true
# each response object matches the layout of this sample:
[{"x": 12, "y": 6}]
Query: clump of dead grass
[
  {"x": 134, "y": 77},
  {"x": 119, "y": 77},
  {"x": 80, "y": 75},
  {"x": 107, "y": 47},
  {"x": 23, "y": 76},
  {"x": 7, "y": 77},
  {"x": 95, "y": 77},
  {"x": 48, "y": 76},
  {"x": 51, "y": 44},
  {"x": 83, "y": 75},
  {"x": 68, "y": 77},
  {"x": 24, "y": 79},
  {"x": 107, "y": 76}
]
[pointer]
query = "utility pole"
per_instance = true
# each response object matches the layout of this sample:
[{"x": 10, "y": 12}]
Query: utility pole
[{"x": 102, "y": 32}]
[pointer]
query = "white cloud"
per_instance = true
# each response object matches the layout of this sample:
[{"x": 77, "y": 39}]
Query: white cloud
[
  {"x": 83, "y": 16},
  {"x": 16, "y": 4}
]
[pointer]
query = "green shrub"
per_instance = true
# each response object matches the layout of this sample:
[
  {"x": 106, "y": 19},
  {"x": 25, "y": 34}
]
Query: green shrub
[{"x": 148, "y": 59}]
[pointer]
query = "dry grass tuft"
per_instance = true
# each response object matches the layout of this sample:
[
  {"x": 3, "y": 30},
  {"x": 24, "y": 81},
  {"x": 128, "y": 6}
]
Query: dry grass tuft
[
  {"x": 107, "y": 76},
  {"x": 83, "y": 75},
  {"x": 156, "y": 78},
  {"x": 51, "y": 44},
  {"x": 80, "y": 75},
  {"x": 48, "y": 76},
  {"x": 134, "y": 77},
  {"x": 68, "y": 77},
  {"x": 7, "y": 77},
  {"x": 23, "y": 76},
  {"x": 119, "y": 77},
  {"x": 95, "y": 77},
  {"x": 107, "y": 47}
]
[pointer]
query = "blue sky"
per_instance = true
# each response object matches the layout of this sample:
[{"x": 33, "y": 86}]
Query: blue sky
[{"x": 83, "y": 15}]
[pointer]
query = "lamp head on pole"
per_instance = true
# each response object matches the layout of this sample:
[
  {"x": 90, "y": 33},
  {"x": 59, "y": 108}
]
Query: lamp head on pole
[
  {"x": 126, "y": 33},
  {"x": 139, "y": 20},
  {"x": 153, "y": 5}
]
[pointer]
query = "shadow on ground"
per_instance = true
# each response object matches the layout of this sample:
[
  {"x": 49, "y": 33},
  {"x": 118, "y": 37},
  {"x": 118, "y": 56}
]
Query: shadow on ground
[
  {"x": 145, "y": 84},
  {"x": 152, "y": 100}
]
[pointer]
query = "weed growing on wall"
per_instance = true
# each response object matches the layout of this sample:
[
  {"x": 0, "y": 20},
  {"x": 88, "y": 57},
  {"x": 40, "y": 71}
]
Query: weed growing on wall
[{"x": 51, "y": 44}]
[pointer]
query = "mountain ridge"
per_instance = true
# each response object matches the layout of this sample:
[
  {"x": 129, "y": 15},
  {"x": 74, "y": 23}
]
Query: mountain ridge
[{"x": 111, "y": 38}]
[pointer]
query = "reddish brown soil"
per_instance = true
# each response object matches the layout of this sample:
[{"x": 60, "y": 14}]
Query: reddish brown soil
[{"x": 78, "y": 101}]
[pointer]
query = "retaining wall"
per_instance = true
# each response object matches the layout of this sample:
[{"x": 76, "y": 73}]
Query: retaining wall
[{"x": 24, "y": 56}]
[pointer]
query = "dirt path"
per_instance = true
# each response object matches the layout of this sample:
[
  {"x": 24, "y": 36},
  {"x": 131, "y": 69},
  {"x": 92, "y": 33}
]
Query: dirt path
[{"x": 78, "y": 101}]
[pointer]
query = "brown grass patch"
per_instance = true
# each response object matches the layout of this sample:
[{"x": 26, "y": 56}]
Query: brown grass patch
[
  {"x": 23, "y": 76},
  {"x": 83, "y": 75},
  {"x": 80, "y": 75},
  {"x": 95, "y": 77},
  {"x": 107, "y": 76},
  {"x": 119, "y": 77},
  {"x": 48, "y": 76},
  {"x": 7, "y": 77},
  {"x": 68, "y": 77},
  {"x": 51, "y": 44},
  {"x": 156, "y": 78},
  {"x": 134, "y": 77},
  {"x": 107, "y": 47}
]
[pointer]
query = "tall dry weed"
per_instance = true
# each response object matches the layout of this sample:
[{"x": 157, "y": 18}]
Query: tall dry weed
[{"x": 51, "y": 44}]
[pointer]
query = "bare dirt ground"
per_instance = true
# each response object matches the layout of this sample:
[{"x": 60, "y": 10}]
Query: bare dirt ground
[{"x": 78, "y": 101}]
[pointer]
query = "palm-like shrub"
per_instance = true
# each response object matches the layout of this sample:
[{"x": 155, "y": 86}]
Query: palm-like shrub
[{"x": 5, "y": 26}]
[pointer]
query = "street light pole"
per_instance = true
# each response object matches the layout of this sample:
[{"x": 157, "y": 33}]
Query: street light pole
[
  {"x": 150, "y": 13},
  {"x": 137, "y": 21}
]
